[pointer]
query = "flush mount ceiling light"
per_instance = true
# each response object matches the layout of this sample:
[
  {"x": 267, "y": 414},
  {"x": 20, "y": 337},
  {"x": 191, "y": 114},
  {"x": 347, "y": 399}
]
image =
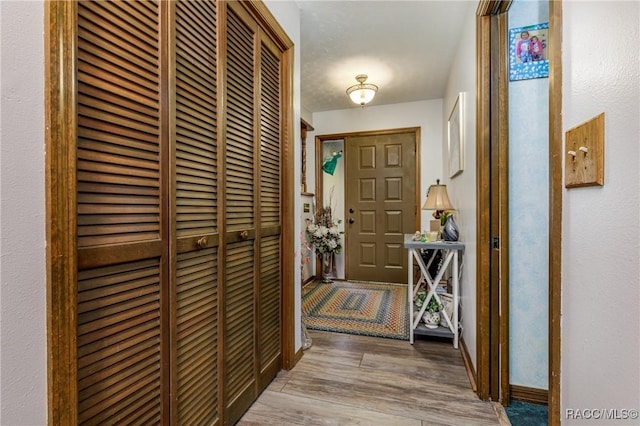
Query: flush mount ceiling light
[{"x": 362, "y": 94}]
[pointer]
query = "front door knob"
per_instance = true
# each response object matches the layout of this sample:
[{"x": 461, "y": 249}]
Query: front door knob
[{"x": 351, "y": 221}]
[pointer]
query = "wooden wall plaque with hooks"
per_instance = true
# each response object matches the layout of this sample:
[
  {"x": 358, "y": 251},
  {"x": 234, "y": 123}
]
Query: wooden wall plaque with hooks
[{"x": 584, "y": 154}]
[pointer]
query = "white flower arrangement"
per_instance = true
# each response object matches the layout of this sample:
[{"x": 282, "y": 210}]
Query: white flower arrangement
[
  {"x": 324, "y": 234},
  {"x": 325, "y": 239}
]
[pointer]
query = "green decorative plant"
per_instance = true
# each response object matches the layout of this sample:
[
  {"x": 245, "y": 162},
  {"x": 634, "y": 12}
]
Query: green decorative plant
[
  {"x": 442, "y": 215},
  {"x": 432, "y": 306}
]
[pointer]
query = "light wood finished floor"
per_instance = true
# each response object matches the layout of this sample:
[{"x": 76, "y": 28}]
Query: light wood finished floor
[{"x": 356, "y": 380}]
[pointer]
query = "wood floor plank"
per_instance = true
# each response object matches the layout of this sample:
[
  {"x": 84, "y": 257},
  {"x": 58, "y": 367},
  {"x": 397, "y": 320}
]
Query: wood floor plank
[
  {"x": 426, "y": 369},
  {"x": 435, "y": 348},
  {"x": 253, "y": 419},
  {"x": 361, "y": 344},
  {"x": 275, "y": 408},
  {"x": 323, "y": 354}
]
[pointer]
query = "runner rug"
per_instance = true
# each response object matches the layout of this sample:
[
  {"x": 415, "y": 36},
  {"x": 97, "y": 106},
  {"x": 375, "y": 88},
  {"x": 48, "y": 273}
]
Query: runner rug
[{"x": 370, "y": 309}]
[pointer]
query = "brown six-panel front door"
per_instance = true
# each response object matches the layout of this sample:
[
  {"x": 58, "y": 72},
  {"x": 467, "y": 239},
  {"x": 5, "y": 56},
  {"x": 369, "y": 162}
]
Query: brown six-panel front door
[{"x": 380, "y": 205}]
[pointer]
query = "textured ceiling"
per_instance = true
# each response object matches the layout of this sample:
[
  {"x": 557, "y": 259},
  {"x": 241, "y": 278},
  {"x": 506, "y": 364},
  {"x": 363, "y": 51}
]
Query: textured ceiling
[{"x": 405, "y": 47}]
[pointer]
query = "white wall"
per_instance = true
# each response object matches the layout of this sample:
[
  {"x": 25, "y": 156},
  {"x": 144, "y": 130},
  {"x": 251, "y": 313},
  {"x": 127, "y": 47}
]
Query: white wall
[
  {"x": 601, "y": 225},
  {"x": 462, "y": 188},
  {"x": 23, "y": 351}
]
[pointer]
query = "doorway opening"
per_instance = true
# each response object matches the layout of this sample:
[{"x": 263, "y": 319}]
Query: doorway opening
[
  {"x": 492, "y": 291},
  {"x": 371, "y": 180}
]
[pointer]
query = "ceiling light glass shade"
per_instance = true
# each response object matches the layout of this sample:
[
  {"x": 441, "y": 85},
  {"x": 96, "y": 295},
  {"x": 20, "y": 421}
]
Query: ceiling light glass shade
[
  {"x": 437, "y": 198},
  {"x": 362, "y": 94}
]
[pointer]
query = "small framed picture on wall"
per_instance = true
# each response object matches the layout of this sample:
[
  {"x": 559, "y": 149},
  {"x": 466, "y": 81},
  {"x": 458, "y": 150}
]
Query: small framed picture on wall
[
  {"x": 528, "y": 48},
  {"x": 456, "y": 136}
]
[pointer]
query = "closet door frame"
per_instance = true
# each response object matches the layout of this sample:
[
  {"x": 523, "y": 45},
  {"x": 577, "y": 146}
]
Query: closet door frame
[
  {"x": 61, "y": 202},
  {"x": 61, "y": 206}
]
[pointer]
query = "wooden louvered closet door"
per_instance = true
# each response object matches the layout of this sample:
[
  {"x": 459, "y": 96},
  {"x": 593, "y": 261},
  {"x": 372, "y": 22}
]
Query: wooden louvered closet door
[
  {"x": 122, "y": 220},
  {"x": 269, "y": 312},
  {"x": 252, "y": 281},
  {"x": 194, "y": 309},
  {"x": 148, "y": 287},
  {"x": 179, "y": 215}
]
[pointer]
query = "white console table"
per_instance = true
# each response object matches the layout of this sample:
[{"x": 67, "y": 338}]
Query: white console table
[{"x": 451, "y": 253}]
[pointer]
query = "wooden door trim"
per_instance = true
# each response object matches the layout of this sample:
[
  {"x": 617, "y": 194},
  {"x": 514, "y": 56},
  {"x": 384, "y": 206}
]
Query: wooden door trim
[
  {"x": 555, "y": 199},
  {"x": 485, "y": 89},
  {"x": 289, "y": 356},
  {"x": 555, "y": 208},
  {"x": 483, "y": 200},
  {"x": 167, "y": 219},
  {"x": 175, "y": 243},
  {"x": 319, "y": 139},
  {"x": 61, "y": 208},
  {"x": 502, "y": 80},
  {"x": 221, "y": 183}
]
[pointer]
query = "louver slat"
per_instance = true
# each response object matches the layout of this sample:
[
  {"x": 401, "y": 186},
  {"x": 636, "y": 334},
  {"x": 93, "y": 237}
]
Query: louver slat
[
  {"x": 119, "y": 215},
  {"x": 196, "y": 212}
]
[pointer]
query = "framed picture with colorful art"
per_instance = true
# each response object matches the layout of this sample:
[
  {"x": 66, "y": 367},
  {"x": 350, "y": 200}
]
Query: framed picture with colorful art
[{"x": 528, "y": 48}]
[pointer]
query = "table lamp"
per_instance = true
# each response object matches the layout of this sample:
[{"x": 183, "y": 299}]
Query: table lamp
[{"x": 438, "y": 200}]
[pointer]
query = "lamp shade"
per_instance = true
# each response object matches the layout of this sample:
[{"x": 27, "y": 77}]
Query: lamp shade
[
  {"x": 362, "y": 93},
  {"x": 437, "y": 198}
]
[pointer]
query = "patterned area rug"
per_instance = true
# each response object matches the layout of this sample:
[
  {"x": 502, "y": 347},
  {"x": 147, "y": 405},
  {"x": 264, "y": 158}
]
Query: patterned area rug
[{"x": 370, "y": 309}]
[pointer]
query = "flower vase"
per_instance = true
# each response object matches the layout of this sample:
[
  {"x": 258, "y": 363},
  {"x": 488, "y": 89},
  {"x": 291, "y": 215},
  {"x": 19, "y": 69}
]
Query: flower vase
[
  {"x": 431, "y": 319},
  {"x": 327, "y": 267},
  {"x": 450, "y": 230}
]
